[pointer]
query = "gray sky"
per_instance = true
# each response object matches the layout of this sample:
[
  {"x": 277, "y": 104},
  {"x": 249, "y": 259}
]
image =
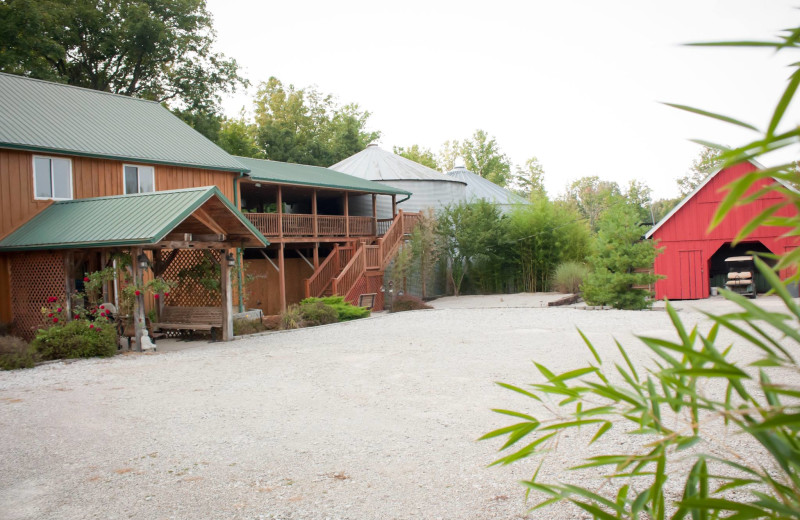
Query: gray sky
[{"x": 576, "y": 83}]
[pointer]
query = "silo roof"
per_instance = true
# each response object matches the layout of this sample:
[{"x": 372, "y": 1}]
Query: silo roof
[
  {"x": 375, "y": 164},
  {"x": 480, "y": 188}
]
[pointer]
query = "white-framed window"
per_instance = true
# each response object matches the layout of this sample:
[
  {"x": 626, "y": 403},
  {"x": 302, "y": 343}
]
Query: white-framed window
[
  {"x": 52, "y": 178},
  {"x": 139, "y": 179}
]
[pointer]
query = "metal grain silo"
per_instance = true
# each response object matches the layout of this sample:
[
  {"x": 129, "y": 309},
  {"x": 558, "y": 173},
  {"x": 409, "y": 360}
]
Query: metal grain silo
[{"x": 479, "y": 188}]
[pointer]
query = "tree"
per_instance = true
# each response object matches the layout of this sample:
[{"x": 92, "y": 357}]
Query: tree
[
  {"x": 449, "y": 154},
  {"x": 482, "y": 156},
  {"x": 307, "y": 127},
  {"x": 639, "y": 196},
  {"x": 704, "y": 164},
  {"x": 617, "y": 253},
  {"x": 528, "y": 180},
  {"x": 591, "y": 197},
  {"x": 418, "y": 154},
  {"x": 425, "y": 246},
  {"x": 238, "y": 137},
  {"x": 157, "y": 49}
]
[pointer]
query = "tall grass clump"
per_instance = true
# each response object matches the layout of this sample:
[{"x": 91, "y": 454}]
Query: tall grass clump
[{"x": 569, "y": 276}]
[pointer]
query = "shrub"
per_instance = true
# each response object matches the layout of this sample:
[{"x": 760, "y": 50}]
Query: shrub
[
  {"x": 569, "y": 276},
  {"x": 408, "y": 303},
  {"x": 318, "y": 313},
  {"x": 243, "y": 326},
  {"x": 76, "y": 339},
  {"x": 292, "y": 318},
  {"x": 345, "y": 310},
  {"x": 16, "y": 353}
]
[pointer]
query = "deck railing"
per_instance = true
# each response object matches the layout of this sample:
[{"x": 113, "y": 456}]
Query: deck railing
[
  {"x": 373, "y": 256},
  {"x": 354, "y": 270},
  {"x": 383, "y": 225},
  {"x": 322, "y": 277},
  {"x": 302, "y": 225}
]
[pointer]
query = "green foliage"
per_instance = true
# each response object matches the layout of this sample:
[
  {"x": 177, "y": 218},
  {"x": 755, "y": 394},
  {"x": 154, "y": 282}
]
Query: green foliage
[
  {"x": 528, "y": 180},
  {"x": 77, "y": 339},
  {"x": 243, "y": 326},
  {"x": 307, "y": 127},
  {"x": 159, "y": 50},
  {"x": 619, "y": 250},
  {"x": 705, "y": 164},
  {"x": 238, "y": 137},
  {"x": 317, "y": 313},
  {"x": 569, "y": 276},
  {"x": 206, "y": 273},
  {"x": 662, "y": 207},
  {"x": 468, "y": 233},
  {"x": 16, "y": 353},
  {"x": 344, "y": 311},
  {"x": 482, "y": 156},
  {"x": 539, "y": 238},
  {"x": 591, "y": 197},
  {"x": 639, "y": 195},
  {"x": 292, "y": 318},
  {"x": 407, "y": 302},
  {"x": 418, "y": 154},
  {"x": 425, "y": 247}
]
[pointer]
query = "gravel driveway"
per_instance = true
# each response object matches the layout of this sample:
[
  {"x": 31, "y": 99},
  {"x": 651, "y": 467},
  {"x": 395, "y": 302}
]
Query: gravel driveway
[{"x": 373, "y": 419}]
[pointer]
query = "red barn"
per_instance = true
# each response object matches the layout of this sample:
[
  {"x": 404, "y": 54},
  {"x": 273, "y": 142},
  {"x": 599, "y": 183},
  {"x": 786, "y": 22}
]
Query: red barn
[{"x": 693, "y": 259}]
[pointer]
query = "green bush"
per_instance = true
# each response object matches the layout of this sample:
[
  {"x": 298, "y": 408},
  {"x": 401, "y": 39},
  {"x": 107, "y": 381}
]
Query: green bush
[
  {"x": 244, "y": 326},
  {"x": 77, "y": 339},
  {"x": 345, "y": 310},
  {"x": 318, "y": 313},
  {"x": 569, "y": 276},
  {"x": 292, "y": 318},
  {"x": 16, "y": 353},
  {"x": 408, "y": 303}
]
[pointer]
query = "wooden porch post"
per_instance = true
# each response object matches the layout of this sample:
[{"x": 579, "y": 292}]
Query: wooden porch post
[
  {"x": 394, "y": 205},
  {"x": 346, "y": 215},
  {"x": 138, "y": 306},
  {"x": 314, "y": 211},
  {"x": 374, "y": 215},
  {"x": 282, "y": 278},
  {"x": 68, "y": 283},
  {"x": 227, "y": 296},
  {"x": 280, "y": 211},
  {"x": 316, "y": 256}
]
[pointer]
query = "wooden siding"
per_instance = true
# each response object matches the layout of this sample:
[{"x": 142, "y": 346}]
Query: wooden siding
[
  {"x": 263, "y": 292},
  {"x": 6, "y": 316},
  {"x": 687, "y": 231},
  {"x": 90, "y": 178}
]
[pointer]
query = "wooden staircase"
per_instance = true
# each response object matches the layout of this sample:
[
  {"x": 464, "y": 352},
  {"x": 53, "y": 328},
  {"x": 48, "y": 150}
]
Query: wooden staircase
[{"x": 344, "y": 270}]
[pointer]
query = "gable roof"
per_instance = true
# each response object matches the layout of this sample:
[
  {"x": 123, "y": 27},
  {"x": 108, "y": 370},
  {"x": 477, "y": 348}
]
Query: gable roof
[
  {"x": 376, "y": 164},
  {"x": 124, "y": 220},
  {"x": 694, "y": 192},
  {"x": 480, "y": 188},
  {"x": 55, "y": 118},
  {"x": 301, "y": 174}
]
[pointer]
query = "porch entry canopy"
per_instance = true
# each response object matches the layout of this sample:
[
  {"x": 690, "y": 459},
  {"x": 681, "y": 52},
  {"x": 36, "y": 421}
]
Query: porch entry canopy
[{"x": 178, "y": 219}]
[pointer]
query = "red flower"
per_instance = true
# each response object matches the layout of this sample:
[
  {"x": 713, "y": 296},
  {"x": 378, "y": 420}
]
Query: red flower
[
  {"x": 77, "y": 317},
  {"x": 99, "y": 329},
  {"x": 59, "y": 309},
  {"x": 55, "y": 320},
  {"x": 102, "y": 307},
  {"x": 50, "y": 315},
  {"x": 51, "y": 299},
  {"x": 166, "y": 294},
  {"x": 155, "y": 296},
  {"x": 91, "y": 326},
  {"x": 136, "y": 292},
  {"x": 85, "y": 278}
]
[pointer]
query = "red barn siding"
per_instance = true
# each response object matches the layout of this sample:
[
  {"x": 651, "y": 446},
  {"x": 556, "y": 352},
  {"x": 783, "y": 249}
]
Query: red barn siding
[{"x": 688, "y": 245}]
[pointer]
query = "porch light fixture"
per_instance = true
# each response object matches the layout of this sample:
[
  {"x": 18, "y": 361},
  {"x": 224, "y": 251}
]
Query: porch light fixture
[
  {"x": 230, "y": 259},
  {"x": 390, "y": 285},
  {"x": 143, "y": 261}
]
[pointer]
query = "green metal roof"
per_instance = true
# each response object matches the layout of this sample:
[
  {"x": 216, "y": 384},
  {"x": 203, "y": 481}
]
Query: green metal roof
[
  {"x": 125, "y": 220},
  {"x": 51, "y": 117},
  {"x": 288, "y": 173}
]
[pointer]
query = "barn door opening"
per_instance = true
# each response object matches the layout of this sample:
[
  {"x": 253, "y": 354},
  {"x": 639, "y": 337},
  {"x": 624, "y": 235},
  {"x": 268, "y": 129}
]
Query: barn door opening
[
  {"x": 692, "y": 275},
  {"x": 718, "y": 269}
]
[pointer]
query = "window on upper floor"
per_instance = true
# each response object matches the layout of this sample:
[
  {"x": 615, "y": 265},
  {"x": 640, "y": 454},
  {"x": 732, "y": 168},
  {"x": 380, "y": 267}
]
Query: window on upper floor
[
  {"x": 139, "y": 179},
  {"x": 52, "y": 178}
]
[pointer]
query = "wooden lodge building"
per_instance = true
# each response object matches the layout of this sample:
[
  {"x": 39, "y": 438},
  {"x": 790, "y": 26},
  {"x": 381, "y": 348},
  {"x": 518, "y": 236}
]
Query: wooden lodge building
[
  {"x": 87, "y": 174},
  {"x": 693, "y": 258}
]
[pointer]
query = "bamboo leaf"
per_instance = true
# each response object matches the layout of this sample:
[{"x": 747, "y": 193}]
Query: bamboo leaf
[
  {"x": 518, "y": 390},
  {"x": 780, "y": 109},
  {"x": 591, "y": 347},
  {"x": 712, "y": 115}
]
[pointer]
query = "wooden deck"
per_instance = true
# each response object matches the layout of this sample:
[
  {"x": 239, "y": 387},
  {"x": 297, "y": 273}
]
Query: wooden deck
[{"x": 295, "y": 226}]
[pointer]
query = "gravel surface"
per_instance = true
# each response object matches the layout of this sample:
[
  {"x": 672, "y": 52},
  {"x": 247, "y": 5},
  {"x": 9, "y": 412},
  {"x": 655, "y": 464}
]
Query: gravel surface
[{"x": 373, "y": 419}]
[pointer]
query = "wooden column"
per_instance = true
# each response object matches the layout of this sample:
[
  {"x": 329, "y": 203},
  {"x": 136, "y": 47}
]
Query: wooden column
[
  {"x": 374, "y": 214},
  {"x": 316, "y": 256},
  {"x": 346, "y": 215},
  {"x": 227, "y": 296},
  {"x": 314, "y": 211},
  {"x": 280, "y": 211},
  {"x": 394, "y": 205},
  {"x": 282, "y": 277},
  {"x": 138, "y": 305}
]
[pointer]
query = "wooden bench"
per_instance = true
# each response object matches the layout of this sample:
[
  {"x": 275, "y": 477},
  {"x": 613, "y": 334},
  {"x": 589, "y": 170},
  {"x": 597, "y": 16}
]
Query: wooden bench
[
  {"x": 367, "y": 300},
  {"x": 189, "y": 318}
]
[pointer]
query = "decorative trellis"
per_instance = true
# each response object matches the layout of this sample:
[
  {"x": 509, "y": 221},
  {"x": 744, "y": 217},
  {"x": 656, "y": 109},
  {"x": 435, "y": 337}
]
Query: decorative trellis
[
  {"x": 190, "y": 292},
  {"x": 35, "y": 277}
]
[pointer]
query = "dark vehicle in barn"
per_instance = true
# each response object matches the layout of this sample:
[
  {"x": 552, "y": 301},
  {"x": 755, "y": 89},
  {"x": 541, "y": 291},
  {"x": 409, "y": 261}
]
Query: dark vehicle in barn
[{"x": 741, "y": 275}]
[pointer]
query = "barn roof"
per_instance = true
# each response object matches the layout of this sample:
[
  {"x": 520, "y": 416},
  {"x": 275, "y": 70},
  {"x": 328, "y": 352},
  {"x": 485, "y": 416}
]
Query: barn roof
[
  {"x": 376, "y": 164},
  {"x": 694, "y": 192},
  {"x": 56, "y": 118},
  {"x": 126, "y": 220}
]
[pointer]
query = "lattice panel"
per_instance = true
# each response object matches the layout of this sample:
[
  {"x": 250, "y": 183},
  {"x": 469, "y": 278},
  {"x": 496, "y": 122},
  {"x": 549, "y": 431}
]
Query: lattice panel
[
  {"x": 364, "y": 285},
  {"x": 34, "y": 278},
  {"x": 190, "y": 293}
]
